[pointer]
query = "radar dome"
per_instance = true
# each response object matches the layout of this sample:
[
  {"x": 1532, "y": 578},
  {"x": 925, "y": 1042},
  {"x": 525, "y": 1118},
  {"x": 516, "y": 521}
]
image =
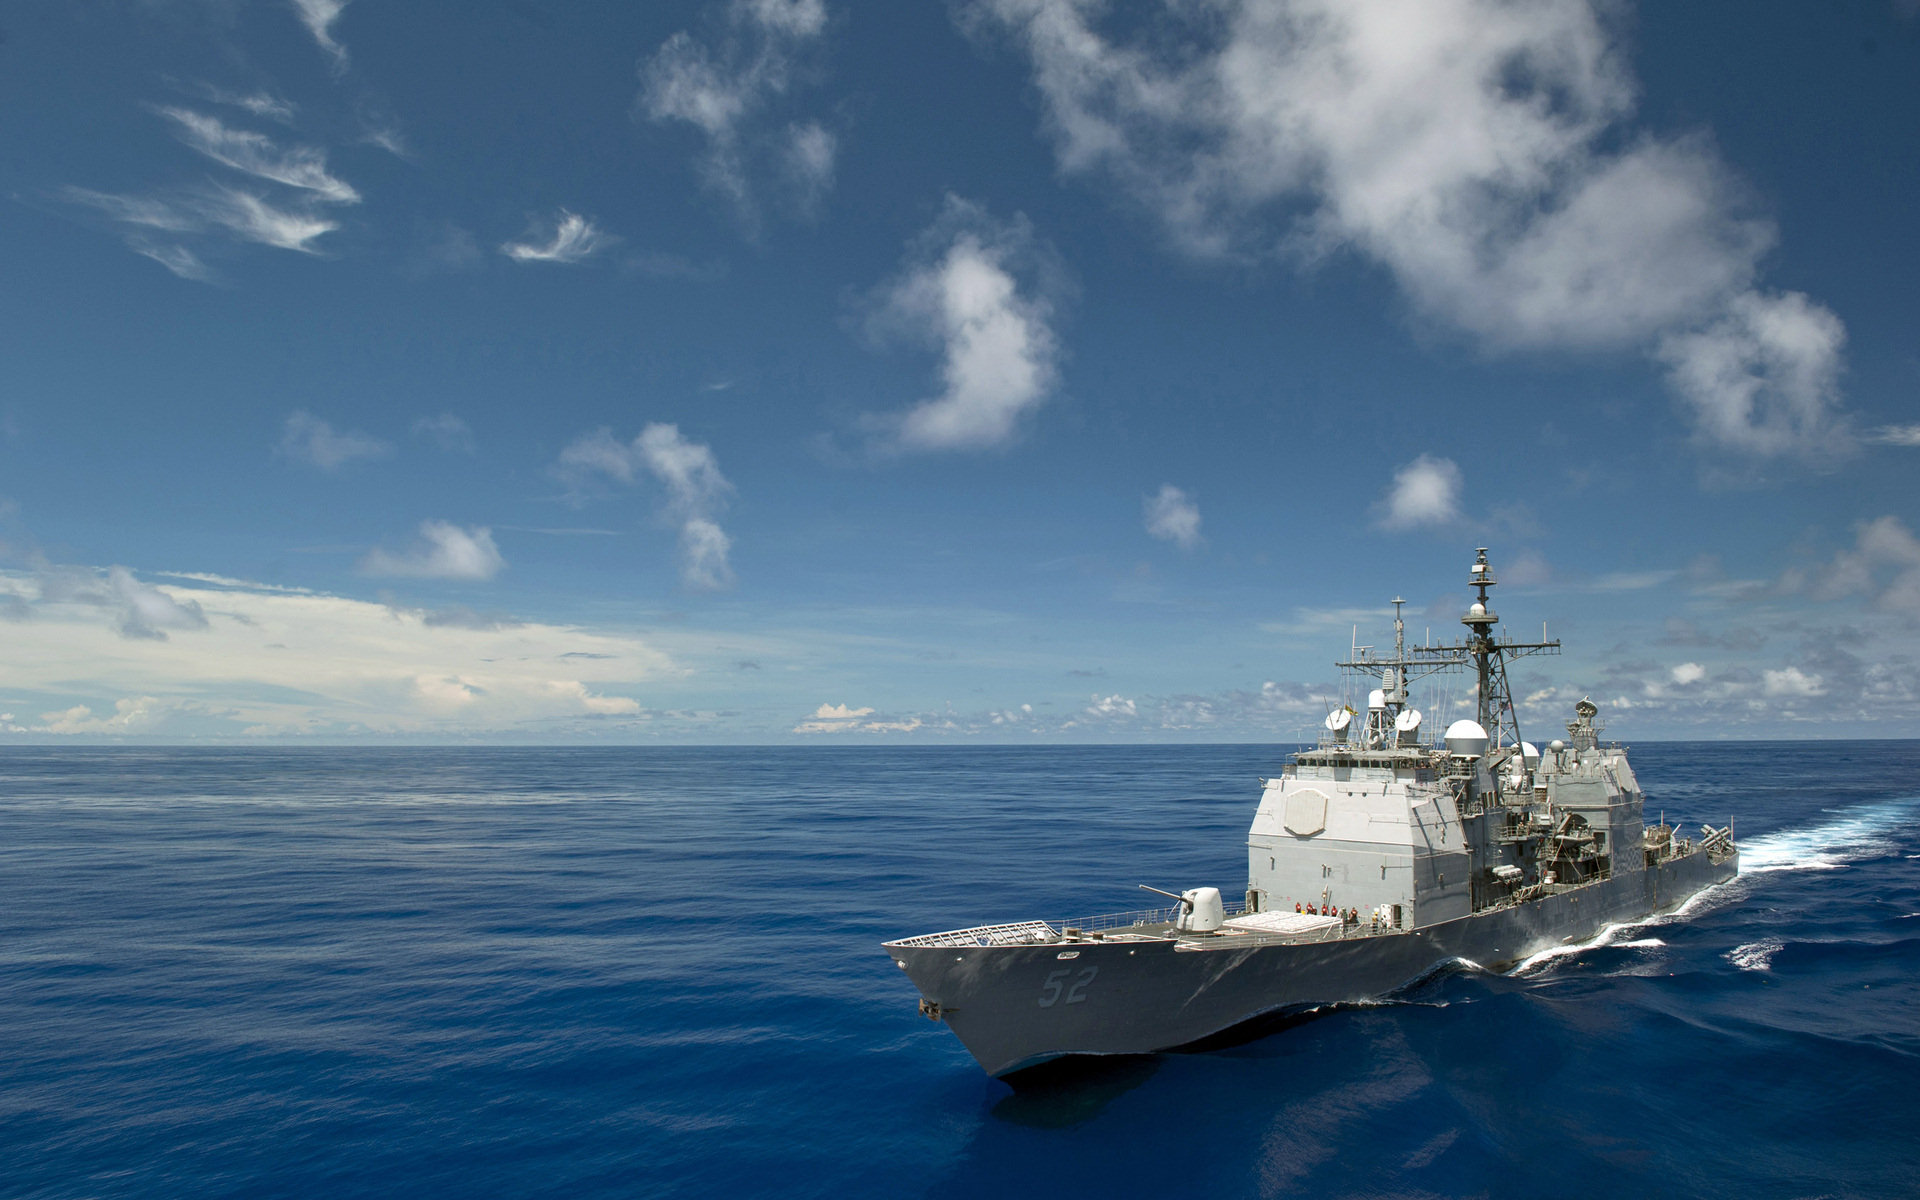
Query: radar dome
[
  {"x": 1465, "y": 739},
  {"x": 1530, "y": 754},
  {"x": 1477, "y": 609}
]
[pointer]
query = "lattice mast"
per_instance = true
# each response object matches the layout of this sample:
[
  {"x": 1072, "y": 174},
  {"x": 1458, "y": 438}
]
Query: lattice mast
[{"x": 1497, "y": 714}]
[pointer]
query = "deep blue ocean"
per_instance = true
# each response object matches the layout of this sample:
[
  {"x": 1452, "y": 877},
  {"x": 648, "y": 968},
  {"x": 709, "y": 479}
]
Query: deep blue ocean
[{"x": 655, "y": 972}]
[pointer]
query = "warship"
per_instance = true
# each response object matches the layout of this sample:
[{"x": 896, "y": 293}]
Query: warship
[{"x": 1374, "y": 858}]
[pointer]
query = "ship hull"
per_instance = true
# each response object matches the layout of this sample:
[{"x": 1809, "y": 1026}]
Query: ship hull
[{"x": 1014, "y": 1007}]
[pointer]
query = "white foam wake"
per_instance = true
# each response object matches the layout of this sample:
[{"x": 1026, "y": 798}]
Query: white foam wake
[
  {"x": 1608, "y": 935},
  {"x": 1848, "y": 837},
  {"x": 1756, "y": 956}
]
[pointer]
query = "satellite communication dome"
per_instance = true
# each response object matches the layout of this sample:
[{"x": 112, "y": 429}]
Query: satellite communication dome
[
  {"x": 1477, "y": 609},
  {"x": 1465, "y": 739},
  {"x": 1556, "y": 745},
  {"x": 1377, "y": 698},
  {"x": 1530, "y": 754}
]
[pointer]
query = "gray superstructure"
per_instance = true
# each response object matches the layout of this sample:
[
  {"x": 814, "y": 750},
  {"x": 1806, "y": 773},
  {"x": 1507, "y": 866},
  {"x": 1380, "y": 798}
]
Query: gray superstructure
[{"x": 1373, "y": 857}]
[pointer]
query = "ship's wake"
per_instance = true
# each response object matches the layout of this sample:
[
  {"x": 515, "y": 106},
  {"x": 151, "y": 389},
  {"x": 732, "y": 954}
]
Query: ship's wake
[{"x": 1854, "y": 835}]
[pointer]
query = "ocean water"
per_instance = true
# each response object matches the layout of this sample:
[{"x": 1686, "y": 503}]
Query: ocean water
[{"x": 655, "y": 972}]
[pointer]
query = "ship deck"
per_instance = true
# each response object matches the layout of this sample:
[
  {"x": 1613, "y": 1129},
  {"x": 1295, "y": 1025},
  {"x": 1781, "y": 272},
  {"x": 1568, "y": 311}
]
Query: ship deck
[{"x": 1157, "y": 925}]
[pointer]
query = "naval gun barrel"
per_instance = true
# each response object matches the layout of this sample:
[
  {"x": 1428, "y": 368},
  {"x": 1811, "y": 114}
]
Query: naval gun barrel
[{"x": 1171, "y": 896}]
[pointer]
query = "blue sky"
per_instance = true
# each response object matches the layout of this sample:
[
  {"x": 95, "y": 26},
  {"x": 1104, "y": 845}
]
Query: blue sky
[{"x": 792, "y": 370}]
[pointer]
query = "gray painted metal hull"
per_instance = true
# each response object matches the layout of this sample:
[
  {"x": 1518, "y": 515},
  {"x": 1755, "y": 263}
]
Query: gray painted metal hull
[{"x": 1017, "y": 1006}]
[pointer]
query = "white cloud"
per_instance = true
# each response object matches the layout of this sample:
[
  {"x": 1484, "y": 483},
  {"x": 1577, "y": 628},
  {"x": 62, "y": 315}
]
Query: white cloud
[
  {"x": 130, "y": 715},
  {"x": 1478, "y": 150},
  {"x": 696, "y": 490},
  {"x": 1764, "y": 378},
  {"x": 1792, "y": 681},
  {"x": 1425, "y": 492},
  {"x": 960, "y": 292},
  {"x": 178, "y": 259},
  {"x": 446, "y": 431},
  {"x": 259, "y": 104},
  {"x": 722, "y": 93},
  {"x": 306, "y": 438},
  {"x": 574, "y": 239},
  {"x": 148, "y": 612},
  {"x": 840, "y": 718},
  {"x": 302, "y": 167},
  {"x": 292, "y": 664},
  {"x": 1883, "y": 564},
  {"x": 443, "y": 551},
  {"x": 243, "y": 214},
  {"x": 809, "y": 163},
  {"x": 606, "y": 706},
  {"x": 1111, "y": 708},
  {"x": 1688, "y": 673},
  {"x": 1173, "y": 516},
  {"x": 1898, "y": 435},
  {"x": 319, "y": 16}
]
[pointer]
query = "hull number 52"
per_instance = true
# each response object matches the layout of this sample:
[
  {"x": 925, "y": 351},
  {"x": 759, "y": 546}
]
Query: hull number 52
[{"x": 1056, "y": 986}]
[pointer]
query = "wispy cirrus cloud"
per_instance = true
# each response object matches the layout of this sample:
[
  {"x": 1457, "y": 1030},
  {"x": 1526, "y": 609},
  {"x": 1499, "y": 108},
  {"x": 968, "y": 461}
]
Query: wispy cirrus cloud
[
  {"x": 568, "y": 238},
  {"x": 1483, "y": 153},
  {"x": 246, "y": 215},
  {"x": 442, "y": 551},
  {"x": 308, "y": 439},
  {"x": 256, "y": 154},
  {"x": 962, "y": 291},
  {"x": 319, "y": 17},
  {"x": 724, "y": 91},
  {"x": 696, "y": 491}
]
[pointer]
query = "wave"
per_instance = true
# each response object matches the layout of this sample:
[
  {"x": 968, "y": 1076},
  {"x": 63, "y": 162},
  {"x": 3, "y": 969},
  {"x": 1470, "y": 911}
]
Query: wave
[
  {"x": 1849, "y": 837},
  {"x": 1608, "y": 935},
  {"x": 1755, "y": 956}
]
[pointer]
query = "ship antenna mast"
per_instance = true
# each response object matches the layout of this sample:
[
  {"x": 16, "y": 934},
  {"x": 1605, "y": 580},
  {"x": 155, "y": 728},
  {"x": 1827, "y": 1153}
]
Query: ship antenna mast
[{"x": 1497, "y": 714}]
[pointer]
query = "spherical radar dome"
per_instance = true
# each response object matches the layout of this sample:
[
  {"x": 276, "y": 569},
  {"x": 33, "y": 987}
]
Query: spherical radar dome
[{"x": 1466, "y": 739}]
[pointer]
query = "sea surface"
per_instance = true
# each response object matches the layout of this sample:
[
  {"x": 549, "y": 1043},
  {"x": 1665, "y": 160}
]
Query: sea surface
[{"x": 655, "y": 972}]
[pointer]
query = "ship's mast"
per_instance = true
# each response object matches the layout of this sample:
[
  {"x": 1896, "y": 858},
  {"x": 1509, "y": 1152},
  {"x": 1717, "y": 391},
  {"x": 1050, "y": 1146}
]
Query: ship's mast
[{"x": 1497, "y": 714}]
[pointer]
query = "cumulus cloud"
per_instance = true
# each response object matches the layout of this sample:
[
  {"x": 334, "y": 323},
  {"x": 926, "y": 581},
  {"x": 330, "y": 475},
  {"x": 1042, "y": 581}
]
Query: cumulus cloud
[
  {"x": 1425, "y": 492},
  {"x": 961, "y": 292},
  {"x": 308, "y": 439},
  {"x": 1479, "y": 151},
  {"x": 841, "y": 718},
  {"x": 724, "y": 91},
  {"x": 696, "y": 491},
  {"x": 1173, "y": 516},
  {"x": 1765, "y": 378},
  {"x": 607, "y": 706},
  {"x": 1883, "y": 565},
  {"x": 573, "y": 239},
  {"x": 319, "y": 16},
  {"x": 301, "y": 167},
  {"x": 1791, "y": 682},
  {"x": 442, "y": 551},
  {"x": 1687, "y": 673}
]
